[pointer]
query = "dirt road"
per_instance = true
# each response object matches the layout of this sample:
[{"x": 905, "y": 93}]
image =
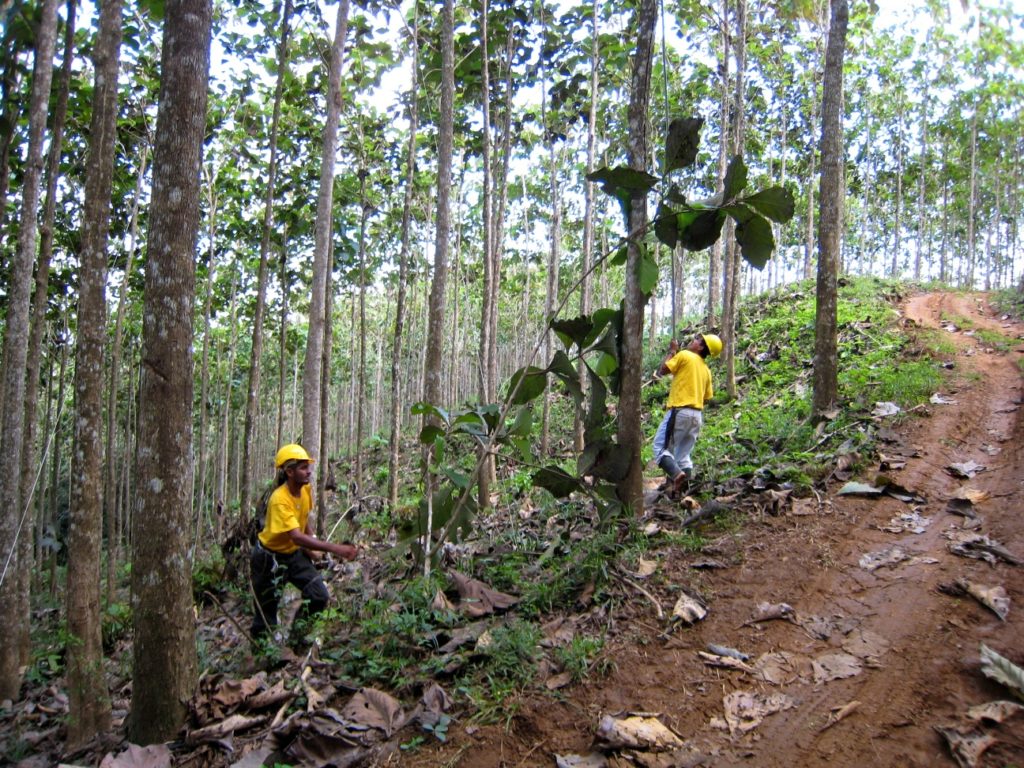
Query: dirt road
[{"x": 870, "y": 630}]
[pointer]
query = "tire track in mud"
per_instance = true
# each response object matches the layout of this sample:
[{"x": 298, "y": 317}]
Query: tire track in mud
[{"x": 930, "y": 674}]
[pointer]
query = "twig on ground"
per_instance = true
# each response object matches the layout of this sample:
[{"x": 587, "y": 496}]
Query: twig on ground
[{"x": 641, "y": 590}]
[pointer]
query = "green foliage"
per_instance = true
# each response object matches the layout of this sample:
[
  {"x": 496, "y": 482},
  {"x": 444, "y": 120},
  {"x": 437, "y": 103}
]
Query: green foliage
[
  {"x": 116, "y": 623},
  {"x": 512, "y": 654},
  {"x": 208, "y": 572},
  {"x": 1010, "y": 301},
  {"x": 578, "y": 656},
  {"x": 768, "y": 425}
]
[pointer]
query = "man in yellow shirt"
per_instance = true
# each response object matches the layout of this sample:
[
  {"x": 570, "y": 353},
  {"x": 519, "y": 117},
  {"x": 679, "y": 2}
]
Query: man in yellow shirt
[
  {"x": 691, "y": 389},
  {"x": 282, "y": 551}
]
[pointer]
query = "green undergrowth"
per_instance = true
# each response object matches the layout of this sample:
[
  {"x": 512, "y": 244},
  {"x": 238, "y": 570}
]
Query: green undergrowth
[
  {"x": 769, "y": 425},
  {"x": 558, "y": 558}
]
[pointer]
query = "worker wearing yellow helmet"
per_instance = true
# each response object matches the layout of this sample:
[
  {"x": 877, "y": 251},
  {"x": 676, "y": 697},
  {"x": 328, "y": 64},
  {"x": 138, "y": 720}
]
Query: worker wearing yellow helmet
[
  {"x": 684, "y": 415},
  {"x": 283, "y": 550}
]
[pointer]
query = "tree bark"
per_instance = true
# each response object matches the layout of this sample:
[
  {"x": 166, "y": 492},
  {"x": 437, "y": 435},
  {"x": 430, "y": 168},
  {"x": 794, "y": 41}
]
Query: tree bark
[
  {"x": 311, "y": 377},
  {"x": 15, "y": 355},
  {"x": 830, "y": 216},
  {"x": 630, "y": 488},
  {"x": 30, "y": 466},
  {"x": 89, "y": 703},
  {"x": 255, "y": 361},
  {"x": 394, "y": 440},
  {"x": 164, "y": 648}
]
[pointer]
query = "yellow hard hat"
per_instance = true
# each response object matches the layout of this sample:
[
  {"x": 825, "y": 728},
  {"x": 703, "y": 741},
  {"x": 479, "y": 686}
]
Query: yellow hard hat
[
  {"x": 713, "y": 343},
  {"x": 290, "y": 452}
]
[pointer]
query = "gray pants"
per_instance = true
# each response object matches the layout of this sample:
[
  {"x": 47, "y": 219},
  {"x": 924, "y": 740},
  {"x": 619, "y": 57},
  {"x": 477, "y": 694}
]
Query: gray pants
[{"x": 674, "y": 441}]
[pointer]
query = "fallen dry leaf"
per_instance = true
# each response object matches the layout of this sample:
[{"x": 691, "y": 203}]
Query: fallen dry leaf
[
  {"x": 745, "y": 710},
  {"x": 995, "y": 711},
  {"x": 636, "y": 732},
  {"x": 835, "y": 666},
  {"x": 966, "y": 748}
]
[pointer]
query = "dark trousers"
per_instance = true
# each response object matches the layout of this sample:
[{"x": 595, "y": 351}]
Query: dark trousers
[{"x": 270, "y": 572}]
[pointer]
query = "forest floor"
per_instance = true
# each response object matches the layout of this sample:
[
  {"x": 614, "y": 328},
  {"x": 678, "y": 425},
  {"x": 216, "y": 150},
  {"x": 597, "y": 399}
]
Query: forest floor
[
  {"x": 912, "y": 652},
  {"x": 872, "y": 650}
]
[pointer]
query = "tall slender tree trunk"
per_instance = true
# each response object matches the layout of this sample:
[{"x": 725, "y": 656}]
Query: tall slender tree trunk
[
  {"x": 897, "y": 244},
  {"x": 394, "y": 440},
  {"x": 311, "y": 378},
  {"x": 972, "y": 201},
  {"x": 255, "y": 361},
  {"x": 435, "y": 313},
  {"x": 360, "y": 392},
  {"x": 30, "y": 465},
  {"x": 89, "y": 703},
  {"x": 826, "y": 388},
  {"x": 164, "y": 646},
  {"x": 630, "y": 488},
  {"x": 716, "y": 258},
  {"x": 922, "y": 185},
  {"x": 113, "y": 387},
  {"x": 202, "y": 498},
  {"x": 13, "y": 615},
  {"x": 734, "y": 265},
  {"x": 587, "y": 252}
]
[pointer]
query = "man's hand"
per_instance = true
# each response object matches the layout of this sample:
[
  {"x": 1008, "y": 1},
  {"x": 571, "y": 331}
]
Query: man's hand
[
  {"x": 673, "y": 347},
  {"x": 346, "y": 551}
]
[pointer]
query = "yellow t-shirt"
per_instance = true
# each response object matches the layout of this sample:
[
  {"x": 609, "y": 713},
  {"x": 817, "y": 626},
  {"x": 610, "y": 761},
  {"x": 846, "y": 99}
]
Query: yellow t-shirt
[
  {"x": 691, "y": 381},
  {"x": 285, "y": 513}
]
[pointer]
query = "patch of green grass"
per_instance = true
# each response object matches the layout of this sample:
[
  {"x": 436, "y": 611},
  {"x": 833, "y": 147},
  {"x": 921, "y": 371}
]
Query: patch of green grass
[
  {"x": 961, "y": 322},
  {"x": 994, "y": 339},
  {"x": 936, "y": 344},
  {"x": 578, "y": 656}
]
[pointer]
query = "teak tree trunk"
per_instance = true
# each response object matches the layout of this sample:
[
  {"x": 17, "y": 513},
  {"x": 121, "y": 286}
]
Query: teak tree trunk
[
  {"x": 312, "y": 370},
  {"x": 89, "y": 704},
  {"x": 830, "y": 218},
  {"x": 164, "y": 649},
  {"x": 13, "y": 607}
]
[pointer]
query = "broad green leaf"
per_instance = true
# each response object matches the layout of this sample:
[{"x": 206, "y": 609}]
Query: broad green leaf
[
  {"x": 601, "y": 318},
  {"x": 606, "y": 365},
  {"x": 423, "y": 408},
  {"x": 525, "y": 449},
  {"x": 700, "y": 229},
  {"x": 533, "y": 382},
  {"x": 1002, "y": 670},
  {"x": 459, "y": 479},
  {"x": 523, "y": 423},
  {"x": 471, "y": 423},
  {"x": 681, "y": 142},
  {"x": 429, "y": 433},
  {"x": 775, "y": 202},
  {"x": 666, "y": 226},
  {"x": 735, "y": 179},
  {"x": 573, "y": 331},
  {"x": 647, "y": 272},
  {"x": 619, "y": 257},
  {"x": 562, "y": 367},
  {"x": 556, "y": 481},
  {"x": 619, "y": 179},
  {"x": 754, "y": 234}
]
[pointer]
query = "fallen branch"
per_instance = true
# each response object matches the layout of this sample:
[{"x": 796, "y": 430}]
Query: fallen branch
[{"x": 641, "y": 590}]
